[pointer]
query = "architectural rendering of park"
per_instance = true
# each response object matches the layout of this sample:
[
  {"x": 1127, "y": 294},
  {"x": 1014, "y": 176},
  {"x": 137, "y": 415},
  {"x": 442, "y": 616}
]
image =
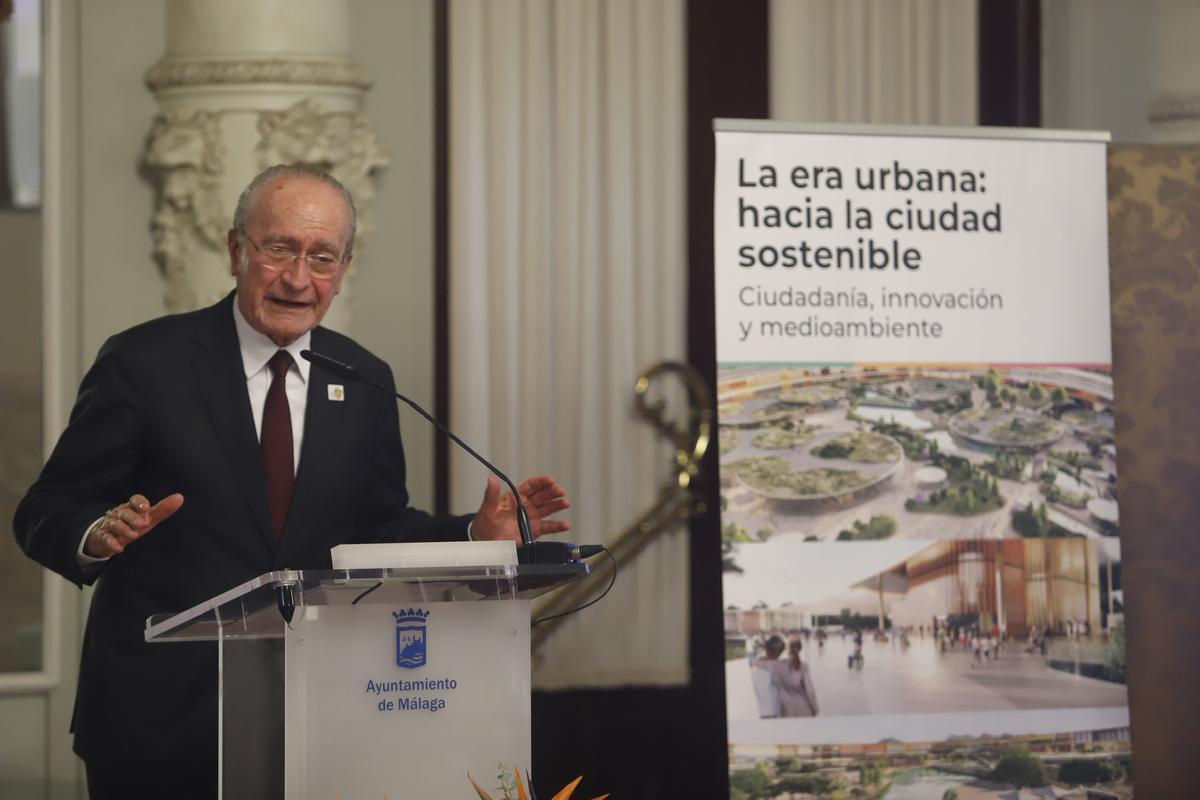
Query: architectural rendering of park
[
  {"x": 1079, "y": 764},
  {"x": 838, "y": 452}
]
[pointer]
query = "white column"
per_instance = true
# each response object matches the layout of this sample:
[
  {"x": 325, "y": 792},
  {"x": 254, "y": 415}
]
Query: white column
[
  {"x": 246, "y": 84},
  {"x": 1174, "y": 111}
]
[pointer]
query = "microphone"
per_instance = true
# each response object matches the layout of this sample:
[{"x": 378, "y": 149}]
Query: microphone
[{"x": 530, "y": 551}]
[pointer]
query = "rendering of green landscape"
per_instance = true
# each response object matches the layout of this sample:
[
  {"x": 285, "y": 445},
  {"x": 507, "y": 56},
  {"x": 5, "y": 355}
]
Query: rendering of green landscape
[
  {"x": 942, "y": 772},
  {"x": 825, "y": 453}
]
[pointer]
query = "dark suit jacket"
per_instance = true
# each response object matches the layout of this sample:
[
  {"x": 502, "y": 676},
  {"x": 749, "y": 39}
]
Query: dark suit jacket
[{"x": 165, "y": 409}]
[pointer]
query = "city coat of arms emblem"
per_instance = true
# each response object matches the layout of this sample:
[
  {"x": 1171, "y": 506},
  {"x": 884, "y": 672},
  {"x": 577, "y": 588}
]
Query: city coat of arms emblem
[{"x": 411, "y": 637}]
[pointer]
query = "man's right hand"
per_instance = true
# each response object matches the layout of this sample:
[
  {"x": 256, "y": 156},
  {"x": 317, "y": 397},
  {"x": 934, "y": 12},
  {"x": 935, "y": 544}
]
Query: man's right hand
[{"x": 128, "y": 522}]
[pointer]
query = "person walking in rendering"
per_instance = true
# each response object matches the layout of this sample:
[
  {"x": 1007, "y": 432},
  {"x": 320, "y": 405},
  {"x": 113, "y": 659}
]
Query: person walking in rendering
[{"x": 790, "y": 677}]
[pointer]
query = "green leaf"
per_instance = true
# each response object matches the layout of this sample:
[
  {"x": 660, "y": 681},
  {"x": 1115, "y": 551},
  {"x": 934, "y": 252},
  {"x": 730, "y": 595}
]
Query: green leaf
[{"x": 482, "y": 794}]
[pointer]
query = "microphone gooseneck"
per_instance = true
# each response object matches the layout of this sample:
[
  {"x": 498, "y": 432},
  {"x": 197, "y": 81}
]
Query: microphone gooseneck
[{"x": 350, "y": 373}]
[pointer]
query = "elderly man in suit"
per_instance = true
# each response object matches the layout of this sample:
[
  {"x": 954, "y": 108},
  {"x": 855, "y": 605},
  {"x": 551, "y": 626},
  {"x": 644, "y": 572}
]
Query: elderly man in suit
[{"x": 253, "y": 462}]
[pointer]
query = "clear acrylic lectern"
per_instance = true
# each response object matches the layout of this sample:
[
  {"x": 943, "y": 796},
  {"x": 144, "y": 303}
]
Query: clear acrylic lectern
[{"x": 386, "y": 683}]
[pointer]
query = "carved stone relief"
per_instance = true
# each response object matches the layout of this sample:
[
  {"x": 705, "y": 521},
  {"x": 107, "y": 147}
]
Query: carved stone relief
[
  {"x": 1175, "y": 107},
  {"x": 191, "y": 159},
  {"x": 339, "y": 142},
  {"x": 236, "y": 97},
  {"x": 185, "y": 157}
]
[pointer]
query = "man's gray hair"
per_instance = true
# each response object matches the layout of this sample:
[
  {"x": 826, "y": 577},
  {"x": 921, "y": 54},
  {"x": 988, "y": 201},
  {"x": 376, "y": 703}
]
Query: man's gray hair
[{"x": 250, "y": 194}]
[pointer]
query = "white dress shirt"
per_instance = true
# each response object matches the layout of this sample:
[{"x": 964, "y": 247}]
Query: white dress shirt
[{"x": 257, "y": 350}]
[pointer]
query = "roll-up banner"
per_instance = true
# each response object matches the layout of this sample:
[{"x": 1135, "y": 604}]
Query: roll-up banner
[{"x": 922, "y": 567}]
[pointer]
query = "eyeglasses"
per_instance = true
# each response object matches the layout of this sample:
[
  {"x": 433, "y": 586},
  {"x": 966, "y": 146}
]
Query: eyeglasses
[{"x": 274, "y": 256}]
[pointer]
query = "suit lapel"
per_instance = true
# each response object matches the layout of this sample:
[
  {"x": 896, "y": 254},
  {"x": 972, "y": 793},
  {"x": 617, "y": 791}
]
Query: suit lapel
[
  {"x": 222, "y": 380},
  {"x": 323, "y": 421}
]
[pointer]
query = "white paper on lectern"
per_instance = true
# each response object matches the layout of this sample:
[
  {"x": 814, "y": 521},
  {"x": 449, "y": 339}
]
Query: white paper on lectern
[{"x": 398, "y": 555}]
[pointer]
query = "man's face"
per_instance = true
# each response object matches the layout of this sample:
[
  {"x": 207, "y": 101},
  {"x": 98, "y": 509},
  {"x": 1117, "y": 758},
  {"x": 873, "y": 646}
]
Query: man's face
[{"x": 306, "y": 217}]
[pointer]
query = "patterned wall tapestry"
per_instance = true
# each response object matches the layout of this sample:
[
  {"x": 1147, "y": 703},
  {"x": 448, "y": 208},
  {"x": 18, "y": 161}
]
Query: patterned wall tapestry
[{"x": 1154, "y": 249}]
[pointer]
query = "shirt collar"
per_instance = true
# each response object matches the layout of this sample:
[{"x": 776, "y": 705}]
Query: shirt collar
[{"x": 257, "y": 348}]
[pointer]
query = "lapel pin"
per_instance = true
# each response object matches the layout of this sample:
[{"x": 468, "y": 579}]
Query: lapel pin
[{"x": 336, "y": 392}]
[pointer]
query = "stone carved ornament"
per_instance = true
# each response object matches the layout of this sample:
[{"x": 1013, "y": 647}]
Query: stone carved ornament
[
  {"x": 185, "y": 157},
  {"x": 1175, "y": 108},
  {"x": 168, "y": 74},
  {"x": 339, "y": 142}
]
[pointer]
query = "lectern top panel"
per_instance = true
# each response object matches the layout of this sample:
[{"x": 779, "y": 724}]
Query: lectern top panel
[{"x": 254, "y": 609}]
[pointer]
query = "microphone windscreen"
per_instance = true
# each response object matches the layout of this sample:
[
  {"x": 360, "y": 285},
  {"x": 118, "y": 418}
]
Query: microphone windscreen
[{"x": 328, "y": 364}]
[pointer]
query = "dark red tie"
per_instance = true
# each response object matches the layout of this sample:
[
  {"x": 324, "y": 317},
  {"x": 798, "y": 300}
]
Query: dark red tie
[{"x": 277, "y": 441}]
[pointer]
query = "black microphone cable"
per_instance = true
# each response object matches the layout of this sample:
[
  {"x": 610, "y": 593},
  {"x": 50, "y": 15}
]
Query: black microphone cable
[{"x": 595, "y": 548}]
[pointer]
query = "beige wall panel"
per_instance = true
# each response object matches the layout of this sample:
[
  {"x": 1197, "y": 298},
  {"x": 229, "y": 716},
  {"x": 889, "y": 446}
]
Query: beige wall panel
[
  {"x": 392, "y": 311},
  {"x": 22, "y": 747},
  {"x": 1098, "y": 66},
  {"x": 20, "y": 237},
  {"x": 121, "y": 285}
]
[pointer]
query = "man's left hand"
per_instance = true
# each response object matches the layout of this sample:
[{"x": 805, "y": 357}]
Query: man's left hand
[{"x": 497, "y": 517}]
